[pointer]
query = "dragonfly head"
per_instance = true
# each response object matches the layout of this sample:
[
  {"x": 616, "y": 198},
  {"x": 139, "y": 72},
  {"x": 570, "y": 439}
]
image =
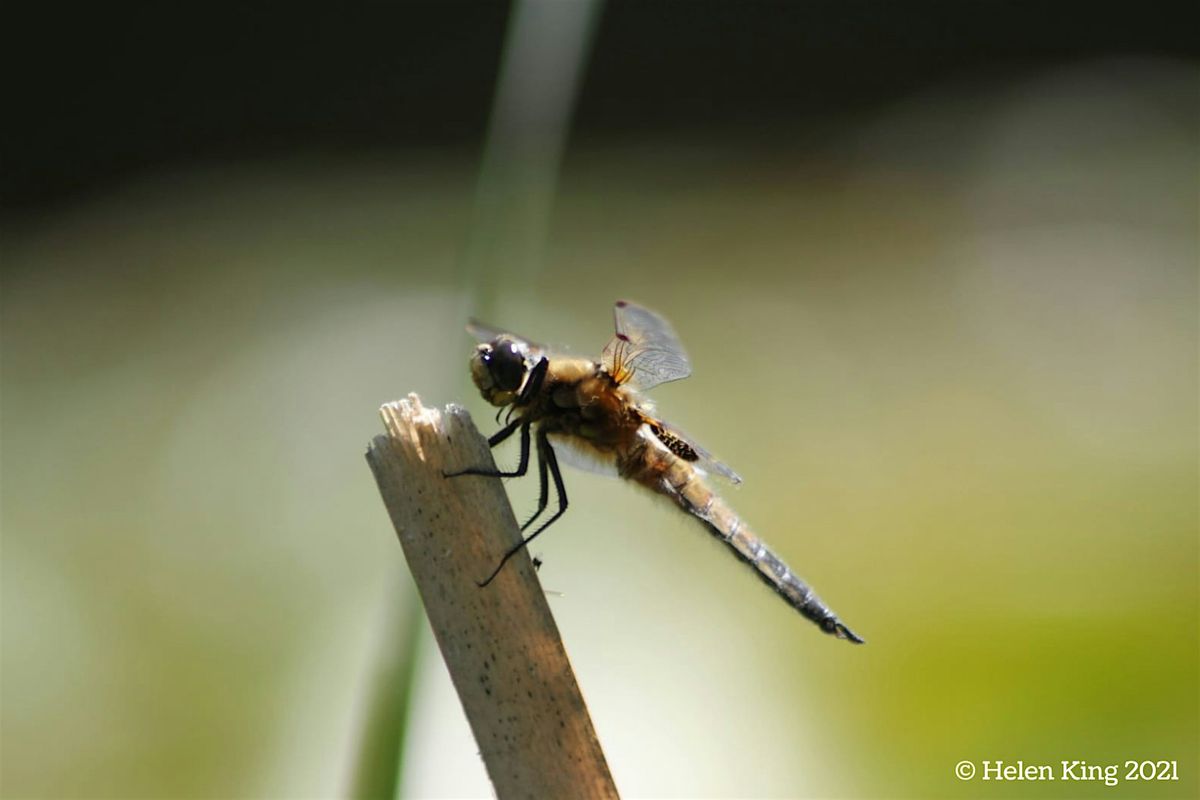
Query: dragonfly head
[{"x": 499, "y": 368}]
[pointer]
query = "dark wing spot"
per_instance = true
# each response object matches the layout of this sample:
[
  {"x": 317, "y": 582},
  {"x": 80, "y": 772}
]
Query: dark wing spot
[{"x": 676, "y": 445}]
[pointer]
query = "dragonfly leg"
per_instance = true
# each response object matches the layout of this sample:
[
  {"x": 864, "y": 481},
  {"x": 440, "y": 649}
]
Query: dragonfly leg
[
  {"x": 505, "y": 432},
  {"x": 533, "y": 382},
  {"x": 533, "y": 385},
  {"x": 496, "y": 439},
  {"x": 543, "y": 491},
  {"x": 551, "y": 462}
]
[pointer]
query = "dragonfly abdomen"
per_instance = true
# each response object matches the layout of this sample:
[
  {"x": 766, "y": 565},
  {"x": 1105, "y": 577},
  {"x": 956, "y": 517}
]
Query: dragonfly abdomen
[{"x": 687, "y": 487}]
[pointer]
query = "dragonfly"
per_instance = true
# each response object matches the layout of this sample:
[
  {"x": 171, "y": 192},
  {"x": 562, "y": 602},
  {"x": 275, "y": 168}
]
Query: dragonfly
[{"x": 593, "y": 413}]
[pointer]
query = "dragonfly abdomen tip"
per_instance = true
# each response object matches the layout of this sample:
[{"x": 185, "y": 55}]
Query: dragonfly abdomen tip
[{"x": 843, "y": 632}]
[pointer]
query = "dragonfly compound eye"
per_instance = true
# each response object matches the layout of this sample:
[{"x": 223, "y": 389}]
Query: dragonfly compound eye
[{"x": 507, "y": 365}]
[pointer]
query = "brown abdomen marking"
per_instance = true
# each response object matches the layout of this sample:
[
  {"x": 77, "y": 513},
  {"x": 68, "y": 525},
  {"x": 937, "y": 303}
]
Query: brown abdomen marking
[{"x": 676, "y": 445}]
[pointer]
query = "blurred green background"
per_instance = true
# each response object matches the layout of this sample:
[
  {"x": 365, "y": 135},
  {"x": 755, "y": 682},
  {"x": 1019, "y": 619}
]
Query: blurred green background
[{"x": 937, "y": 273}]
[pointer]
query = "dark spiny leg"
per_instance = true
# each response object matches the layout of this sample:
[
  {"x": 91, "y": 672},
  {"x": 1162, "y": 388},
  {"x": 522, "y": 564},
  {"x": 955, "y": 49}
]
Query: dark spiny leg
[
  {"x": 505, "y": 432},
  {"x": 533, "y": 385},
  {"x": 522, "y": 467},
  {"x": 552, "y": 463},
  {"x": 544, "y": 491},
  {"x": 533, "y": 382},
  {"x": 547, "y": 453}
]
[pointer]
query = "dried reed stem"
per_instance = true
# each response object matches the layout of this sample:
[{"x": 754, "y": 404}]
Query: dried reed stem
[{"x": 500, "y": 643}]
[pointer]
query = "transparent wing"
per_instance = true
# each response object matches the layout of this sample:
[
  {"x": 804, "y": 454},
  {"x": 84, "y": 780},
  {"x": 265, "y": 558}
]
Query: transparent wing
[
  {"x": 686, "y": 448},
  {"x": 485, "y": 333},
  {"x": 581, "y": 455},
  {"x": 645, "y": 351}
]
